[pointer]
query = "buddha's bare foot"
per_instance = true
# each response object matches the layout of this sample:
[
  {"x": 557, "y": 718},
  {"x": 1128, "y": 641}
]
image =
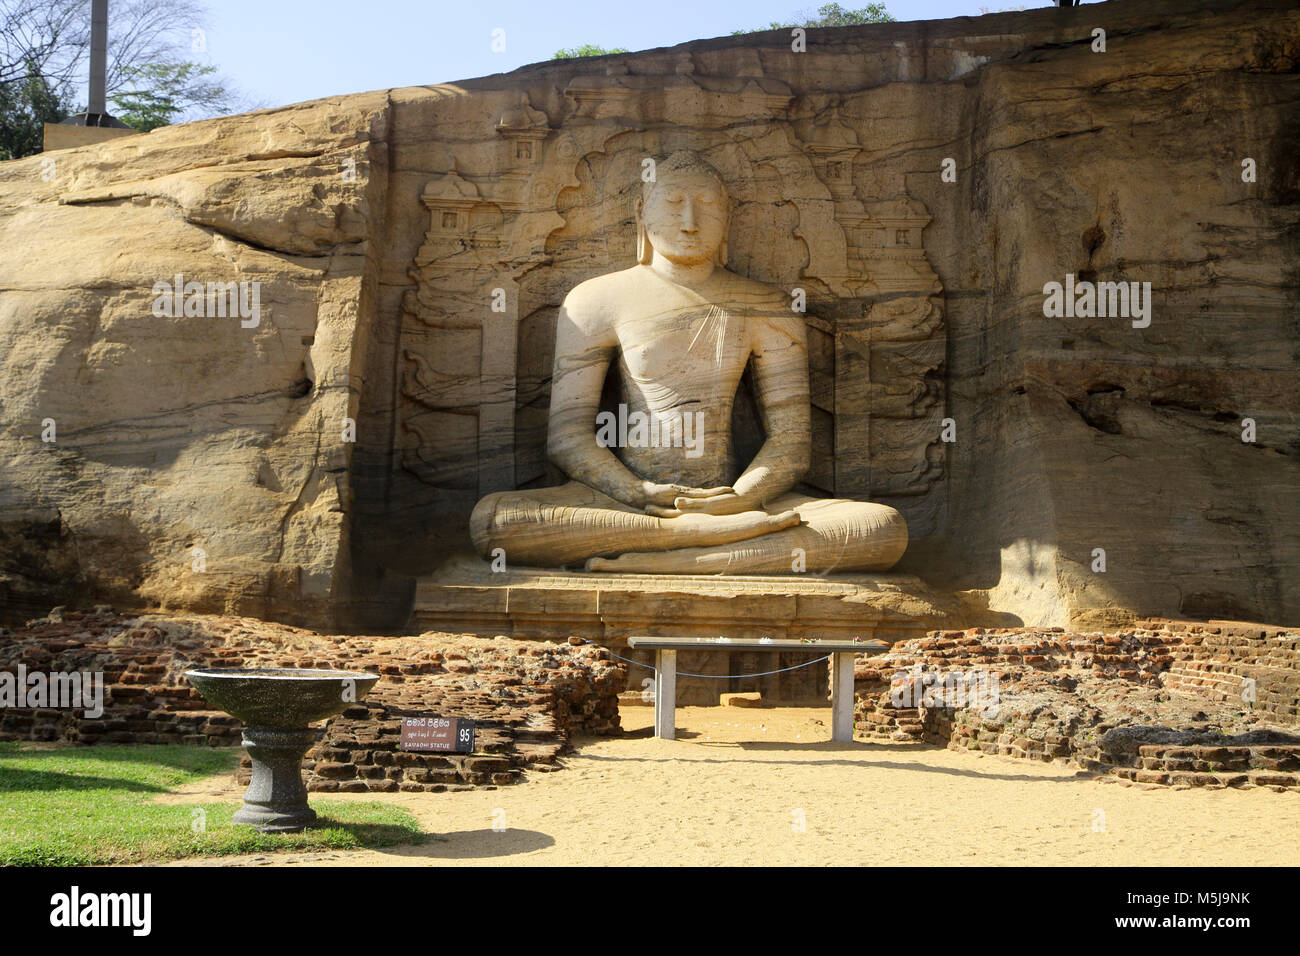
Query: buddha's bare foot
[{"x": 686, "y": 561}]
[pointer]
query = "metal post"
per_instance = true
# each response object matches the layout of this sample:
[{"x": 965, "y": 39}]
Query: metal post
[
  {"x": 665, "y": 694},
  {"x": 842, "y": 698}
]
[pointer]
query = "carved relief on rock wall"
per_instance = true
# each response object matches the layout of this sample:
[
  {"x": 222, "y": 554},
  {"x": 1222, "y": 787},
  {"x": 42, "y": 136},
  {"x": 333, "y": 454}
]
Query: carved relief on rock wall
[
  {"x": 888, "y": 379},
  {"x": 458, "y": 334},
  {"x": 554, "y": 206}
]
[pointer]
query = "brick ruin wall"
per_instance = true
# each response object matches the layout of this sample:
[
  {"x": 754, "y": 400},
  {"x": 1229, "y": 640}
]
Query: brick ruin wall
[
  {"x": 529, "y": 699},
  {"x": 1172, "y": 703},
  {"x": 1159, "y": 704}
]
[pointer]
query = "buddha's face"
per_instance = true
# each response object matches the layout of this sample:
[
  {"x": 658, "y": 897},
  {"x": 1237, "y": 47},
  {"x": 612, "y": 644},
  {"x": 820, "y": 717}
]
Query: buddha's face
[{"x": 685, "y": 217}]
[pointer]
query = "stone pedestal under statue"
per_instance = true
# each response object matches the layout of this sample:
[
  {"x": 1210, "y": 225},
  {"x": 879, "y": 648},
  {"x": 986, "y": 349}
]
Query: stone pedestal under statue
[{"x": 466, "y": 596}]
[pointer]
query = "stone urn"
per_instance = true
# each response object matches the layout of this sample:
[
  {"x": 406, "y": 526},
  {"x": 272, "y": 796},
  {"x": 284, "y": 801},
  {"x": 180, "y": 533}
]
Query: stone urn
[{"x": 276, "y": 705}]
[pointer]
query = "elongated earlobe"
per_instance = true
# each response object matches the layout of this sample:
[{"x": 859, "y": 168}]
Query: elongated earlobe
[{"x": 644, "y": 250}]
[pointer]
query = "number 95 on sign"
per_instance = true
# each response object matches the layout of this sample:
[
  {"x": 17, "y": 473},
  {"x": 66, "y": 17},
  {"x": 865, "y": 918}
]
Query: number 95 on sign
[{"x": 445, "y": 734}]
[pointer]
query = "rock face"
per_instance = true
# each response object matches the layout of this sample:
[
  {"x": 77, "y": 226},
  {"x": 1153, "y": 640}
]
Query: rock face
[
  {"x": 412, "y": 248},
  {"x": 171, "y": 434}
]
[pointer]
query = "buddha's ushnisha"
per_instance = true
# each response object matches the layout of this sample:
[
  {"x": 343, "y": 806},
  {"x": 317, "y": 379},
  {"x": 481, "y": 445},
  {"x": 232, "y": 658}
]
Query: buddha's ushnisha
[{"x": 668, "y": 496}]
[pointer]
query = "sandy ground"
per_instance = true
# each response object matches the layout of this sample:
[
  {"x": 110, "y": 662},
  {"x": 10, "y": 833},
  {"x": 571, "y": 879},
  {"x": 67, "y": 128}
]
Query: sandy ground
[{"x": 766, "y": 787}]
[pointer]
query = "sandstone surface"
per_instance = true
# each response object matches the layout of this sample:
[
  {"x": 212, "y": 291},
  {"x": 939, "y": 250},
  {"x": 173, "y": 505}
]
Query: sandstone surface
[{"x": 380, "y": 225}]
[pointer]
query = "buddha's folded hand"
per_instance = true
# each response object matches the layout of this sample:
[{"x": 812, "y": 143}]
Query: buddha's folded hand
[
  {"x": 717, "y": 501},
  {"x": 659, "y": 500}
]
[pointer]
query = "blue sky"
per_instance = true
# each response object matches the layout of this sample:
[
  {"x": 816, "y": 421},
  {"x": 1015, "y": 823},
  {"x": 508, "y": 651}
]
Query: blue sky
[{"x": 286, "y": 51}]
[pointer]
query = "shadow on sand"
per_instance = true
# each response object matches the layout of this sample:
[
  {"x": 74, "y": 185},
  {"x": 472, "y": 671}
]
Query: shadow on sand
[
  {"x": 829, "y": 747},
  {"x": 476, "y": 844}
]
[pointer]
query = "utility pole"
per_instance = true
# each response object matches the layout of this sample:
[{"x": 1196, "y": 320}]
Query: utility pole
[
  {"x": 94, "y": 125},
  {"x": 97, "y": 108}
]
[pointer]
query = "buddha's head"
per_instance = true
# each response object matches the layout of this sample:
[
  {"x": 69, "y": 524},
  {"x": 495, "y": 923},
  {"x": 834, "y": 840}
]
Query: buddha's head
[{"x": 684, "y": 213}]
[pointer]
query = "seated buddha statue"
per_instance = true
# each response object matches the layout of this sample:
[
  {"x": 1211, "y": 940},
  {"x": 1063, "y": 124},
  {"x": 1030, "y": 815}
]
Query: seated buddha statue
[{"x": 657, "y": 488}]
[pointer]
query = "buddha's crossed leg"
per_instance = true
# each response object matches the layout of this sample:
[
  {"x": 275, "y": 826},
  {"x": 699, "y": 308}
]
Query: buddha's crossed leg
[
  {"x": 571, "y": 523},
  {"x": 834, "y": 535}
]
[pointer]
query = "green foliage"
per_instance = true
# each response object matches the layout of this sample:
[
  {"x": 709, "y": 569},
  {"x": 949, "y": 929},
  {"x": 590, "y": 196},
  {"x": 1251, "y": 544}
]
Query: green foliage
[
  {"x": 587, "y": 49},
  {"x": 158, "y": 92},
  {"x": 26, "y": 105},
  {"x": 98, "y": 805},
  {"x": 831, "y": 15}
]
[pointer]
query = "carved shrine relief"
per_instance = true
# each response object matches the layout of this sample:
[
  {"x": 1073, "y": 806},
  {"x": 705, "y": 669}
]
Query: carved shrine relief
[{"x": 877, "y": 336}]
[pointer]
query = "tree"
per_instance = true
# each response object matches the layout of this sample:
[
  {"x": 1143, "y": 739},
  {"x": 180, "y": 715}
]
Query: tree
[
  {"x": 587, "y": 49},
  {"x": 27, "y": 103},
  {"x": 40, "y": 37},
  {"x": 161, "y": 91},
  {"x": 832, "y": 15}
]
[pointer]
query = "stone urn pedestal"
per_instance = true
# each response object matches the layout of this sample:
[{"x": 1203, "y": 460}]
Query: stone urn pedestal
[
  {"x": 276, "y": 706},
  {"x": 276, "y": 799}
]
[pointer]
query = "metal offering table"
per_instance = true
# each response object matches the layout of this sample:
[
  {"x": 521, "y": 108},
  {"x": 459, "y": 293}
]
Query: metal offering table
[{"x": 840, "y": 652}]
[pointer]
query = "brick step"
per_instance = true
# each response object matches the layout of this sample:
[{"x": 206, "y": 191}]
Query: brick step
[
  {"x": 1184, "y": 778},
  {"x": 1210, "y": 759}
]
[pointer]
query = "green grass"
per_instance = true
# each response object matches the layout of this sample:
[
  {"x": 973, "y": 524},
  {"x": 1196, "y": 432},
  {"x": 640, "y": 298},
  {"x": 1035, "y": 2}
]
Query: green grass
[{"x": 93, "y": 805}]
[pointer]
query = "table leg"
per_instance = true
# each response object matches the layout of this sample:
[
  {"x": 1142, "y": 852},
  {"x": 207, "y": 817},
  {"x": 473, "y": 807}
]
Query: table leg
[
  {"x": 665, "y": 694},
  {"x": 842, "y": 698}
]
